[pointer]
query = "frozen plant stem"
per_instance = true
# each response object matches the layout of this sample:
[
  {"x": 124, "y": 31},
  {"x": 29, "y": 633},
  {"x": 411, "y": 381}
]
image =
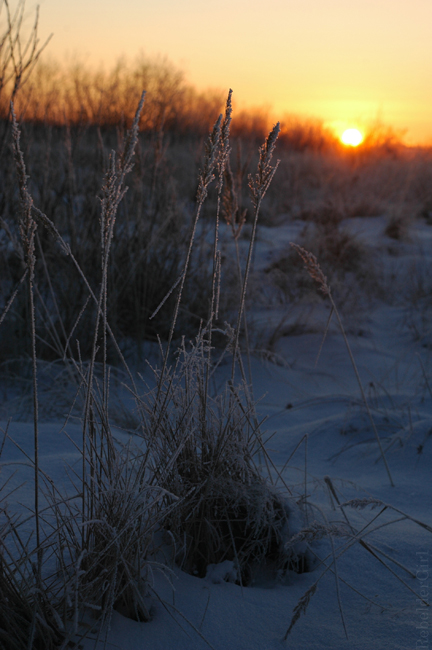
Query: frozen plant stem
[
  {"x": 205, "y": 178},
  {"x": 113, "y": 192},
  {"x": 27, "y": 228},
  {"x": 314, "y": 270},
  {"x": 235, "y": 218},
  {"x": 224, "y": 152},
  {"x": 258, "y": 187}
]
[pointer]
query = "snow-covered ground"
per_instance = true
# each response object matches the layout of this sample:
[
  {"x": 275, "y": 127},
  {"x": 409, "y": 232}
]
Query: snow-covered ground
[{"x": 315, "y": 415}]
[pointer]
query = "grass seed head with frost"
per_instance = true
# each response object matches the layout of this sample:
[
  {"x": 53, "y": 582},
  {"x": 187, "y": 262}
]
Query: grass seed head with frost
[
  {"x": 313, "y": 268},
  {"x": 259, "y": 185},
  {"x": 224, "y": 150},
  {"x": 131, "y": 139},
  {"x": 316, "y": 531},
  {"x": 301, "y": 608},
  {"x": 360, "y": 504},
  {"x": 206, "y": 457},
  {"x": 212, "y": 147}
]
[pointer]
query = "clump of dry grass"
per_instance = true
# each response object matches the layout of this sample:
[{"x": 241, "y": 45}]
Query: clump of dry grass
[
  {"x": 106, "y": 556},
  {"x": 31, "y": 615},
  {"x": 205, "y": 448},
  {"x": 206, "y": 452},
  {"x": 198, "y": 476},
  {"x": 28, "y": 617}
]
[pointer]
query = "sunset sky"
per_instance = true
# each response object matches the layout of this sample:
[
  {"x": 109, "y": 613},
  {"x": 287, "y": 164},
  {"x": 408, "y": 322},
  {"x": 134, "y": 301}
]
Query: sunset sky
[{"x": 348, "y": 62}]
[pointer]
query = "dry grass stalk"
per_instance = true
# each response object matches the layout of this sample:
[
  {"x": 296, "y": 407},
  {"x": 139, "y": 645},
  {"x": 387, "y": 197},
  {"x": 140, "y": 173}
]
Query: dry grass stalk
[
  {"x": 316, "y": 531},
  {"x": 222, "y": 162},
  {"x": 259, "y": 184},
  {"x": 314, "y": 270},
  {"x": 358, "y": 537},
  {"x": 27, "y": 228},
  {"x": 363, "y": 503},
  {"x": 206, "y": 176},
  {"x": 234, "y": 217},
  {"x": 113, "y": 192},
  {"x": 30, "y": 613},
  {"x": 301, "y": 607},
  {"x": 236, "y": 220},
  {"x": 258, "y": 187},
  {"x": 13, "y": 296}
]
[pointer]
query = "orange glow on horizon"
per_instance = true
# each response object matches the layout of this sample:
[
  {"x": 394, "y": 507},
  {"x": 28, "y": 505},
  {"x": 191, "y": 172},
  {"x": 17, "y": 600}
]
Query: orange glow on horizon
[{"x": 333, "y": 61}]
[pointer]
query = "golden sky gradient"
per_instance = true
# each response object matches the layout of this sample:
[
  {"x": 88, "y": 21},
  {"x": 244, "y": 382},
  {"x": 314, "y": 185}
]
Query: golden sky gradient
[{"x": 348, "y": 62}]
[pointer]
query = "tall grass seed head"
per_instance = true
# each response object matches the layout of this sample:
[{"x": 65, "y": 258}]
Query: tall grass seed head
[
  {"x": 224, "y": 150},
  {"x": 313, "y": 268},
  {"x": 259, "y": 185},
  {"x": 211, "y": 153}
]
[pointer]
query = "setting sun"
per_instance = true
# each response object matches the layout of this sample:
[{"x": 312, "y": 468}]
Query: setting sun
[{"x": 352, "y": 137}]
